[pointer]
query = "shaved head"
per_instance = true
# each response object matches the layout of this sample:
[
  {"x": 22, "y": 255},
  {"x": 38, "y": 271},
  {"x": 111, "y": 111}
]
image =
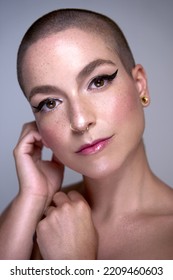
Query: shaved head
[{"x": 88, "y": 21}]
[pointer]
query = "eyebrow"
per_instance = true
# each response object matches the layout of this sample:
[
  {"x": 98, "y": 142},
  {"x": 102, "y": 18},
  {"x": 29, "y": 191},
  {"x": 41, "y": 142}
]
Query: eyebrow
[
  {"x": 89, "y": 68},
  {"x": 86, "y": 71},
  {"x": 42, "y": 89}
]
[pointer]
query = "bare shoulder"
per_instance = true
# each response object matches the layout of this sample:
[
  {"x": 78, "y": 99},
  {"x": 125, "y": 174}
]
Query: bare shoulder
[
  {"x": 148, "y": 232},
  {"x": 164, "y": 216},
  {"x": 157, "y": 224},
  {"x": 163, "y": 200}
]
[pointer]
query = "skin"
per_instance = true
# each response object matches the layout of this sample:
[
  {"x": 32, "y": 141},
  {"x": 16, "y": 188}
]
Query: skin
[
  {"x": 82, "y": 107},
  {"x": 120, "y": 197}
]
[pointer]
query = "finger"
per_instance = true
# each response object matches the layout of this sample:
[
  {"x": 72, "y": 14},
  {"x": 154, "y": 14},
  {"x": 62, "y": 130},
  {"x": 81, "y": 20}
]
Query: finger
[
  {"x": 31, "y": 132},
  {"x": 30, "y": 145},
  {"x": 60, "y": 198},
  {"x": 49, "y": 210},
  {"x": 75, "y": 196},
  {"x": 30, "y": 141},
  {"x": 32, "y": 136},
  {"x": 27, "y": 127}
]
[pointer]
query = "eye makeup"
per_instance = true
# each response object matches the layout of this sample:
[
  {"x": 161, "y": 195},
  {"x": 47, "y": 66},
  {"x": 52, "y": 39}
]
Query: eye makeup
[
  {"x": 47, "y": 105},
  {"x": 102, "y": 80},
  {"x": 99, "y": 82}
]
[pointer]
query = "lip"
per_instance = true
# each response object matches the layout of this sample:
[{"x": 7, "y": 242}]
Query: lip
[{"x": 94, "y": 147}]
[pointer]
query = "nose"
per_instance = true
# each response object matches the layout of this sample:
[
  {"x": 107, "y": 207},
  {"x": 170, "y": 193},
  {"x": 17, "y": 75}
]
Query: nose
[{"x": 82, "y": 116}]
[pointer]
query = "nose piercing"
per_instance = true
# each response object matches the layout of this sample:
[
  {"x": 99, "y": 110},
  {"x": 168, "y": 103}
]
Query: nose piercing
[{"x": 80, "y": 131}]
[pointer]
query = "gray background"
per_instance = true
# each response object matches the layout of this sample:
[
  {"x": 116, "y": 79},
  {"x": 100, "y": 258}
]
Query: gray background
[{"x": 148, "y": 26}]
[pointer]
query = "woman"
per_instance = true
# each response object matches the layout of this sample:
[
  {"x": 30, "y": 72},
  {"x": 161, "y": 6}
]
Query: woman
[{"x": 88, "y": 98}]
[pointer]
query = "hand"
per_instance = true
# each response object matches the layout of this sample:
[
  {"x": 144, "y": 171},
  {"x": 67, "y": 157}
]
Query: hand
[
  {"x": 67, "y": 232},
  {"x": 37, "y": 178}
]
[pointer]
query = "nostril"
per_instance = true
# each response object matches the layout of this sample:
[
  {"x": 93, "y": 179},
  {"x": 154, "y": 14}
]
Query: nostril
[
  {"x": 82, "y": 116},
  {"x": 79, "y": 130}
]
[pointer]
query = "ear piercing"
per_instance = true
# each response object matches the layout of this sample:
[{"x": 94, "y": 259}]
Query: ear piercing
[{"x": 144, "y": 100}]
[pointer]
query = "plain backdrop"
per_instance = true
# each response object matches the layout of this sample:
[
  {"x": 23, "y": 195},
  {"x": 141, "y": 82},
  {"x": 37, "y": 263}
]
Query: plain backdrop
[{"x": 148, "y": 26}]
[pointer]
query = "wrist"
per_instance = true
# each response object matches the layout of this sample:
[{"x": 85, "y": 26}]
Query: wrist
[
  {"x": 18, "y": 225},
  {"x": 30, "y": 203}
]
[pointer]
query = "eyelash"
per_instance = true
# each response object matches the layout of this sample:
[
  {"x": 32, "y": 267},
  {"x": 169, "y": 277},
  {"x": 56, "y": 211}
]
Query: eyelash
[
  {"x": 102, "y": 78},
  {"x": 98, "y": 79},
  {"x": 40, "y": 107}
]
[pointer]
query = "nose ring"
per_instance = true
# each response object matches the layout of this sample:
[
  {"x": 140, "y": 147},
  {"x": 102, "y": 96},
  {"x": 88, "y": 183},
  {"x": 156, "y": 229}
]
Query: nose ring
[{"x": 80, "y": 131}]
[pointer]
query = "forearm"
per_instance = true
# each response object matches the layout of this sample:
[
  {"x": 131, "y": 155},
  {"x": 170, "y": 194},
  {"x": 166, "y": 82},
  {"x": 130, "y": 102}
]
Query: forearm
[{"x": 17, "y": 227}]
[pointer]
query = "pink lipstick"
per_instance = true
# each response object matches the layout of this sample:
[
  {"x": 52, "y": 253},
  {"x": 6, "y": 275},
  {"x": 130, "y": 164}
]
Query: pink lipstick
[{"x": 94, "y": 147}]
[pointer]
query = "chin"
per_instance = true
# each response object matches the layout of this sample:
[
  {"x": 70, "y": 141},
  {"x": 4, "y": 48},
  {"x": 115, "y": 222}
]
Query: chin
[
  {"x": 101, "y": 174},
  {"x": 100, "y": 166},
  {"x": 98, "y": 170}
]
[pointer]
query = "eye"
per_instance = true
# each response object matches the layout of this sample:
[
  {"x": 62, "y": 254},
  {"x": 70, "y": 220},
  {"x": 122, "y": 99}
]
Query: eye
[
  {"x": 99, "y": 82},
  {"x": 47, "y": 105},
  {"x": 102, "y": 81}
]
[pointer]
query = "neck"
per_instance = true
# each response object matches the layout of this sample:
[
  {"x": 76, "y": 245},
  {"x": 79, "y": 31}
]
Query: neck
[{"x": 122, "y": 191}]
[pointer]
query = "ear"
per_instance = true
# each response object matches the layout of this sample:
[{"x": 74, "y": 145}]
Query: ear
[{"x": 140, "y": 79}]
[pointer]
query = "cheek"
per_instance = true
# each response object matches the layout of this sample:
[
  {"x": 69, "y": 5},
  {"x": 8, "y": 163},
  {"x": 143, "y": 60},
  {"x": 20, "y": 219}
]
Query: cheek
[
  {"x": 129, "y": 107},
  {"x": 52, "y": 134},
  {"x": 123, "y": 106}
]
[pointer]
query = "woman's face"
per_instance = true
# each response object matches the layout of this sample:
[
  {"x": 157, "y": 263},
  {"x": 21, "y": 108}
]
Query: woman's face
[{"x": 77, "y": 81}]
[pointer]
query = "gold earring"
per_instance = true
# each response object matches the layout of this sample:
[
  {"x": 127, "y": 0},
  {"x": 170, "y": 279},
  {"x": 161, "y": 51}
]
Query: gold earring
[{"x": 144, "y": 100}]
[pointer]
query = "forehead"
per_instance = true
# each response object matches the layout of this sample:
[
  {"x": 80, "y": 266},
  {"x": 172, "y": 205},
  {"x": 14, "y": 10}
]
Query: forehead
[
  {"x": 70, "y": 40},
  {"x": 67, "y": 51}
]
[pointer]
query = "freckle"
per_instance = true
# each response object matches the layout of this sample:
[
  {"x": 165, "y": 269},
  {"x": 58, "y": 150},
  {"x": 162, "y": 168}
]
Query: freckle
[{"x": 61, "y": 124}]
